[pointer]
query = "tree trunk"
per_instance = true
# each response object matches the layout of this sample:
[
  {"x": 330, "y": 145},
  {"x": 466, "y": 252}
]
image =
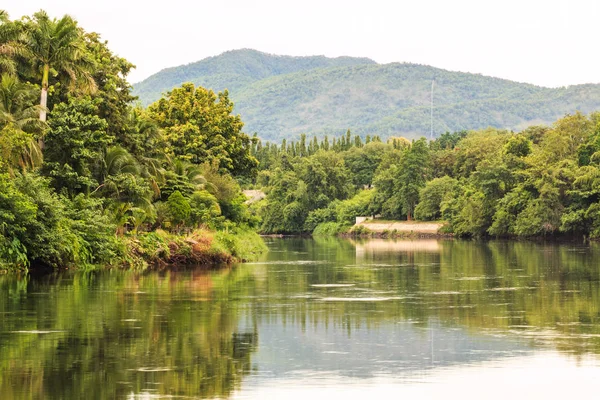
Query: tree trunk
[
  {"x": 44, "y": 96},
  {"x": 44, "y": 101}
]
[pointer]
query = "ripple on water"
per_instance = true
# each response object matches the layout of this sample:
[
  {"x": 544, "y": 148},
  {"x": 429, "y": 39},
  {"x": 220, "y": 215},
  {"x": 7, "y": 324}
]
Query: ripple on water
[
  {"x": 332, "y": 285},
  {"x": 503, "y": 289},
  {"x": 470, "y": 278},
  {"x": 359, "y": 299},
  {"x": 367, "y": 266},
  {"x": 297, "y": 262},
  {"x": 444, "y": 293},
  {"x": 151, "y": 369}
]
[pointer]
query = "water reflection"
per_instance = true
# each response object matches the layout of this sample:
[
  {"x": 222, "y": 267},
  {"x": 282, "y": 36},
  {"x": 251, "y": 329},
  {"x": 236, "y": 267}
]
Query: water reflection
[
  {"x": 328, "y": 313},
  {"x": 367, "y": 248},
  {"x": 107, "y": 335},
  {"x": 546, "y": 375}
]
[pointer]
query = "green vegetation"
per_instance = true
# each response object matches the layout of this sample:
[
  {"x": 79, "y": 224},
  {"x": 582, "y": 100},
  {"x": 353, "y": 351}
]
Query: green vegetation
[
  {"x": 198, "y": 127},
  {"x": 199, "y": 247},
  {"x": 282, "y": 97},
  {"x": 88, "y": 180},
  {"x": 538, "y": 182}
]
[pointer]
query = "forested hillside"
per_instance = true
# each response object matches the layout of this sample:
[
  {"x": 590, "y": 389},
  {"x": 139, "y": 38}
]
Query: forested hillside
[
  {"x": 281, "y": 97},
  {"x": 234, "y": 70}
]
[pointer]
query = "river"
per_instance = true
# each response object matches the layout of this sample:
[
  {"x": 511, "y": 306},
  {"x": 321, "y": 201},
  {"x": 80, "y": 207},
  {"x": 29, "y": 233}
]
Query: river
[{"x": 314, "y": 319}]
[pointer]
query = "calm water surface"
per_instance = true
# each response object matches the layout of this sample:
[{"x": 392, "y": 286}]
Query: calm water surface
[{"x": 314, "y": 319}]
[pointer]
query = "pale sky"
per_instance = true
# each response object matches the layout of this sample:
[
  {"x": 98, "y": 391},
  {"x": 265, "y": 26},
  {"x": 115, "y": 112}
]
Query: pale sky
[{"x": 545, "y": 42}]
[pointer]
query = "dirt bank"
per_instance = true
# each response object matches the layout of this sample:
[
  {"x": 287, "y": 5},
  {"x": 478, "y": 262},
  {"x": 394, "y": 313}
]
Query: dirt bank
[{"x": 402, "y": 226}]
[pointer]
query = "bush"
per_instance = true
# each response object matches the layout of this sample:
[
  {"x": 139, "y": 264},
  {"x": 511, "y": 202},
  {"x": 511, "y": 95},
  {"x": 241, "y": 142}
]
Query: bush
[
  {"x": 360, "y": 230},
  {"x": 328, "y": 229},
  {"x": 201, "y": 247},
  {"x": 431, "y": 197},
  {"x": 51, "y": 229},
  {"x": 204, "y": 208},
  {"x": 179, "y": 208},
  {"x": 243, "y": 244},
  {"x": 320, "y": 216},
  {"x": 357, "y": 206}
]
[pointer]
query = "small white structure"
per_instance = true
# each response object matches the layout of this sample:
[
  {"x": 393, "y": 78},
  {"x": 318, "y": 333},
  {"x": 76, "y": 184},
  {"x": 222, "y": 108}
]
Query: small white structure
[{"x": 360, "y": 220}]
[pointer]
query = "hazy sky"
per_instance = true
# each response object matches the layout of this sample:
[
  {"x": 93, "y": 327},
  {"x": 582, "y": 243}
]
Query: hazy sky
[{"x": 545, "y": 42}]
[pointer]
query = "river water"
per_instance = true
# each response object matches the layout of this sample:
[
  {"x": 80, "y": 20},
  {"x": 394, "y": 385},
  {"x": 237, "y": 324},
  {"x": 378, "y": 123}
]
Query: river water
[{"x": 315, "y": 319}]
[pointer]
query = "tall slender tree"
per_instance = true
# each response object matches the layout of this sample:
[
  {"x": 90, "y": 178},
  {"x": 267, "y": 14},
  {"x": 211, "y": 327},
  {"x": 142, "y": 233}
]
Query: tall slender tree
[{"x": 57, "y": 46}]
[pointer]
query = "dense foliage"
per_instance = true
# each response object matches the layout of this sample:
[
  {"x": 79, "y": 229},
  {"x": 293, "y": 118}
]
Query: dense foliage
[
  {"x": 282, "y": 97},
  {"x": 540, "y": 181},
  {"x": 87, "y": 179},
  {"x": 199, "y": 127}
]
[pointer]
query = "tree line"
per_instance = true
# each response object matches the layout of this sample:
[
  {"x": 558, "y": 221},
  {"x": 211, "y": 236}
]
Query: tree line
[{"x": 541, "y": 181}]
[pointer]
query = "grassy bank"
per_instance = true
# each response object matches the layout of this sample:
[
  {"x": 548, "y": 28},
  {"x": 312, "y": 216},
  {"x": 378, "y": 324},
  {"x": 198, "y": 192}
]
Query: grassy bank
[{"x": 160, "y": 249}]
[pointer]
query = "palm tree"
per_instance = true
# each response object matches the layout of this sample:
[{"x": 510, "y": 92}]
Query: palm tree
[
  {"x": 192, "y": 173},
  {"x": 57, "y": 46},
  {"x": 118, "y": 161},
  {"x": 10, "y": 46},
  {"x": 184, "y": 177},
  {"x": 124, "y": 184},
  {"x": 16, "y": 105},
  {"x": 145, "y": 140},
  {"x": 18, "y": 118}
]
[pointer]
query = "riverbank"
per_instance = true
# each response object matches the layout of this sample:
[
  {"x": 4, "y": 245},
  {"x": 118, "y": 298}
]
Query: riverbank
[
  {"x": 161, "y": 249},
  {"x": 398, "y": 229},
  {"x": 388, "y": 229},
  {"x": 411, "y": 227}
]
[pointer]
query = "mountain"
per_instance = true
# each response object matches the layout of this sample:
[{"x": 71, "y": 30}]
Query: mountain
[
  {"x": 234, "y": 70},
  {"x": 282, "y": 96}
]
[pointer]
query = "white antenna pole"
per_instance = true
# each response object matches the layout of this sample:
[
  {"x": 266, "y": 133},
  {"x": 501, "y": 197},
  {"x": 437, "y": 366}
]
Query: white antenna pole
[{"x": 431, "y": 118}]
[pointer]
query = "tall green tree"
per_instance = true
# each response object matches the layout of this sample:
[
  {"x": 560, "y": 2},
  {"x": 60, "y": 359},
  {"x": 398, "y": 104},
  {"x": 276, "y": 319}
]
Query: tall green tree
[
  {"x": 199, "y": 127},
  {"x": 75, "y": 145},
  {"x": 56, "y": 46},
  {"x": 109, "y": 74},
  {"x": 363, "y": 162},
  {"x": 413, "y": 175}
]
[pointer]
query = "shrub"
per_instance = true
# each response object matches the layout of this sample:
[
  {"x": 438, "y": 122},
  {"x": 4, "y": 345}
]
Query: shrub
[
  {"x": 179, "y": 208},
  {"x": 328, "y": 229}
]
